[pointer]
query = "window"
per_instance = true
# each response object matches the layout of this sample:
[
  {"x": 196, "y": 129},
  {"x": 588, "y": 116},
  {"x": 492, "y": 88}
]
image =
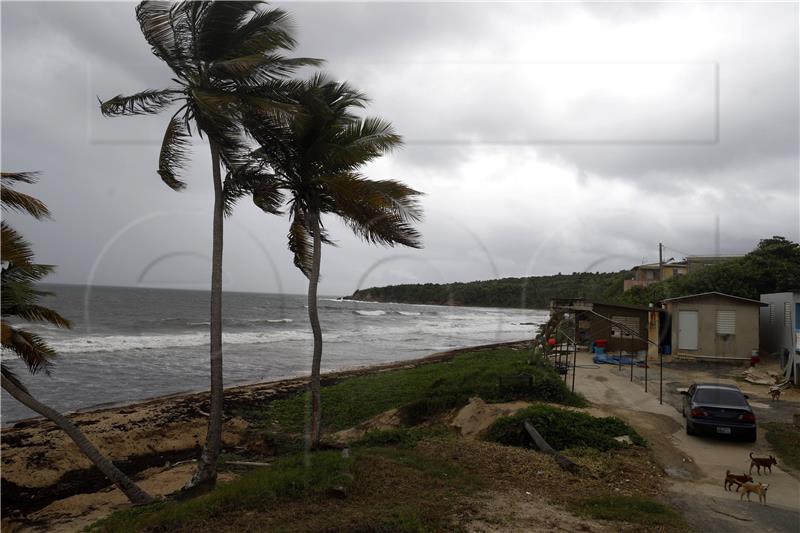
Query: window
[
  {"x": 726, "y": 322},
  {"x": 629, "y": 322}
]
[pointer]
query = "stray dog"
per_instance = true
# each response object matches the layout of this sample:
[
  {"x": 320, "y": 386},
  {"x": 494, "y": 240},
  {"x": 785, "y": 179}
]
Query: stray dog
[
  {"x": 733, "y": 479},
  {"x": 758, "y": 488},
  {"x": 775, "y": 393},
  {"x": 759, "y": 462}
]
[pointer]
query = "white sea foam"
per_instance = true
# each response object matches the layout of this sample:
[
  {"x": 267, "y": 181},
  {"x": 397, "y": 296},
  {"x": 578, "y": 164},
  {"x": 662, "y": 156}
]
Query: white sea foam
[
  {"x": 408, "y": 313},
  {"x": 377, "y": 312},
  {"x": 113, "y": 343}
]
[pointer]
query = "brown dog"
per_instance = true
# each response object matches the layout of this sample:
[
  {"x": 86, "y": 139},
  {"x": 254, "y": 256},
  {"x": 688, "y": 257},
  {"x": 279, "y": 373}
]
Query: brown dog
[
  {"x": 775, "y": 393},
  {"x": 758, "y": 488},
  {"x": 733, "y": 479},
  {"x": 759, "y": 462}
]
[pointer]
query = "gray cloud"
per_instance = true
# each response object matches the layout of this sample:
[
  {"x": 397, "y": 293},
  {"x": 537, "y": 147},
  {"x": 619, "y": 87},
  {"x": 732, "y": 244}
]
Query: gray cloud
[{"x": 560, "y": 75}]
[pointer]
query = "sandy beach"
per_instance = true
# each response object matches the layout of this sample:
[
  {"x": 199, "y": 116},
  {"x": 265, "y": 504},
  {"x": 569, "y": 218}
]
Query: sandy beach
[{"x": 40, "y": 465}]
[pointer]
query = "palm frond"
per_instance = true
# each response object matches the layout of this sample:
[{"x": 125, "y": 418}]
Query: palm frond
[
  {"x": 174, "y": 148},
  {"x": 161, "y": 24},
  {"x": 256, "y": 69},
  {"x": 361, "y": 141},
  {"x": 18, "y": 201},
  {"x": 143, "y": 103},
  {"x": 218, "y": 23},
  {"x": 267, "y": 31},
  {"x": 31, "y": 348},
  {"x": 14, "y": 248},
  {"x": 300, "y": 243},
  {"x": 42, "y": 314}
]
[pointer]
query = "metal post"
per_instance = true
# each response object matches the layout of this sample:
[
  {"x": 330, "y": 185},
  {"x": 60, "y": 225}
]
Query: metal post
[
  {"x": 620, "y": 348},
  {"x": 660, "y": 376},
  {"x": 575, "y": 355},
  {"x": 630, "y": 356}
]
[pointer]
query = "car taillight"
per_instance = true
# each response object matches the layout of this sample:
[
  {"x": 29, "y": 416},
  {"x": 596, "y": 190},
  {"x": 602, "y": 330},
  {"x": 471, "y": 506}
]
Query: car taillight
[
  {"x": 697, "y": 413},
  {"x": 747, "y": 417}
]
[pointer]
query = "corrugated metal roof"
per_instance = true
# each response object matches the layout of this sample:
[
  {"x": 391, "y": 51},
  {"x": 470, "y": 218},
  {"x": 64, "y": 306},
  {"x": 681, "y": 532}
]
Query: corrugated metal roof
[{"x": 705, "y": 294}]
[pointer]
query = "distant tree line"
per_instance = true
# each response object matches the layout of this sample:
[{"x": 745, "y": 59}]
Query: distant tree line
[
  {"x": 774, "y": 266},
  {"x": 533, "y": 292}
]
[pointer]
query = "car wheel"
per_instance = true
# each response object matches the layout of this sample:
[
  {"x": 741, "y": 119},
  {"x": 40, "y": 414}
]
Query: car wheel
[
  {"x": 689, "y": 431},
  {"x": 752, "y": 437}
]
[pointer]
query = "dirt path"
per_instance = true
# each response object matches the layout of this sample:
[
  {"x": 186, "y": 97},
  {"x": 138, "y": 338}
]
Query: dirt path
[{"x": 696, "y": 466}]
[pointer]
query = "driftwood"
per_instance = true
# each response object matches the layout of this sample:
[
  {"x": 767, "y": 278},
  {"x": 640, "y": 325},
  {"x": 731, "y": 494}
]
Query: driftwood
[{"x": 562, "y": 461}]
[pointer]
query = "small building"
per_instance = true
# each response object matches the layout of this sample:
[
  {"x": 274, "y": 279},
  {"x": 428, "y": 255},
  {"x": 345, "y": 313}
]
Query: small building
[
  {"x": 647, "y": 274},
  {"x": 780, "y": 330},
  {"x": 625, "y": 327},
  {"x": 714, "y": 325}
]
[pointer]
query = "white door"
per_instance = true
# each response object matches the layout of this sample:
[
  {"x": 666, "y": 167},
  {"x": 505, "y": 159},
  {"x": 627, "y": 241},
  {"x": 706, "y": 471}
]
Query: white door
[{"x": 687, "y": 330}]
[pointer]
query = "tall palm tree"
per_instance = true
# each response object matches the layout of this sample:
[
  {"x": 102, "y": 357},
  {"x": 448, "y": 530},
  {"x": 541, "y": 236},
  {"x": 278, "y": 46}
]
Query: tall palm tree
[
  {"x": 20, "y": 300},
  {"x": 226, "y": 56},
  {"x": 314, "y": 158}
]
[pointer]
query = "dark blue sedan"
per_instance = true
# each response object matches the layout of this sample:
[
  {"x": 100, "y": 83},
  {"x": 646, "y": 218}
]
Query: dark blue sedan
[{"x": 714, "y": 409}]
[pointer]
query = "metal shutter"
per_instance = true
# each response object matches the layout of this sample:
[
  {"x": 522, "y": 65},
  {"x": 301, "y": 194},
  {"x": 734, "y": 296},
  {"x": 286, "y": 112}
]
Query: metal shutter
[
  {"x": 787, "y": 314},
  {"x": 726, "y": 322},
  {"x": 631, "y": 322}
]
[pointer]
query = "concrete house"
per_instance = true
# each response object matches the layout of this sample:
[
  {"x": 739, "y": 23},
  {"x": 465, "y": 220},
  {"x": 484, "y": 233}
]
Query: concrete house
[
  {"x": 647, "y": 274},
  {"x": 714, "y": 325},
  {"x": 780, "y": 330}
]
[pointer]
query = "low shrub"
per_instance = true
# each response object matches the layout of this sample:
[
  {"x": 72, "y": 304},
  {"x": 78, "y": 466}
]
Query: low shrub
[
  {"x": 400, "y": 437},
  {"x": 562, "y": 429}
]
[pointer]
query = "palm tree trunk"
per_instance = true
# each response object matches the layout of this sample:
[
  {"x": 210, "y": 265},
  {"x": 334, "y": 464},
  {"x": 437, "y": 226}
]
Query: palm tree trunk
[
  {"x": 206, "y": 473},
  {"x": 313, "y": 316},
  {"x": 128, "y": 487}
]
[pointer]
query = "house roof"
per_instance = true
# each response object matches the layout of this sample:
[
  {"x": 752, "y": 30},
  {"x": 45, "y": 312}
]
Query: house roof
[
  {"x": 655, "y": 266},
  {"x": 723, "y": 295}
]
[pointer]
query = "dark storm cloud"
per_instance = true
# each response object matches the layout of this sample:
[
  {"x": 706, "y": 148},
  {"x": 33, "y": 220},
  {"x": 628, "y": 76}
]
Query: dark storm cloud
[{"x": 532, "y": 105}]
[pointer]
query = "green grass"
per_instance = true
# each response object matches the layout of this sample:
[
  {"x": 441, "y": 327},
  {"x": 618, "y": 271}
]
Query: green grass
[
  {"x": 295, "y": 476},
  {"x": 424, "y": 390},
  {"x": 562, "y": 429},
  {"x": 634, "y": 509},
  {"x": 401, "y": 437},
  {"x": 785, "y": 440}
]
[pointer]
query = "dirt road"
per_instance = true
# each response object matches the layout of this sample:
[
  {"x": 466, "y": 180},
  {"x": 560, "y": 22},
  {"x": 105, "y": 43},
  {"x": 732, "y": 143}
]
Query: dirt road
[{"x": 696, "y": 465}]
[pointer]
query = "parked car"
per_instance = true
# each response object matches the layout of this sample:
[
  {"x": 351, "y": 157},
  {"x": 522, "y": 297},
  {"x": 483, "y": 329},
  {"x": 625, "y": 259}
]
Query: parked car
[{"x": 711, "y": 408}]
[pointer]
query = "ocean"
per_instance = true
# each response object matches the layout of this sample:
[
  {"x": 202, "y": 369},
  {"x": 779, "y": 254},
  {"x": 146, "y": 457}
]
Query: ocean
[{"x": 130, "y": 344}]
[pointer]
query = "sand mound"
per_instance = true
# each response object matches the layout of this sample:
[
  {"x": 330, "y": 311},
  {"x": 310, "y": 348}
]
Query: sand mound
[
  {"x": 387, "y": 420},
  {"x": 476, "y": 417}
]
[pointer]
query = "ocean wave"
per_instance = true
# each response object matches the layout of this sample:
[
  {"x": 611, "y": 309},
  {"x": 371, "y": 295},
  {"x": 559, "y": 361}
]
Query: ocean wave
[
  {"x": 377, "y": 312},
  {"x": 115, "y": 343},
  {"x": 408, "y": 313}
]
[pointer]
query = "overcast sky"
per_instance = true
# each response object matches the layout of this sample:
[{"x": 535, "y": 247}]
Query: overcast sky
[{"x": 547, "y": 137}]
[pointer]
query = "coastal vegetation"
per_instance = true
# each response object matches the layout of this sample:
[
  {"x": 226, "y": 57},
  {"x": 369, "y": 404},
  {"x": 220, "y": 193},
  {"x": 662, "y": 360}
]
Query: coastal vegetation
[
  {"x": 534, "y": 292},
  {"x": 773, "y": 266},
  {"x": 315, "y": 157},
  {"x": 21, "y": 302},
  {"x": 419, "y": 475},
  {"x": 784, "y": 438},
  {"x": 228, "y": 64}
]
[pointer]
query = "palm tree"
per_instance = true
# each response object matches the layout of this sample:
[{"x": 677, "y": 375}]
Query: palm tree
[
  {"x": 315, "y": 158},
  {"x": 226, "y": 59},
  {"x": 20, "y": 300}
]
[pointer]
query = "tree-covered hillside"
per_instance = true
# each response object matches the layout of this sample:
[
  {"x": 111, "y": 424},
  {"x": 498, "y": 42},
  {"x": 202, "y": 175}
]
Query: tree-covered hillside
[
  {"x": 774, "y": 266},
  {"x": 532, "y": 292}
]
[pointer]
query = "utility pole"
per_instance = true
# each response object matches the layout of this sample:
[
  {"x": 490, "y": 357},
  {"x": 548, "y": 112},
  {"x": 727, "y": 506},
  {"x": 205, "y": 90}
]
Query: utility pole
[{"x": 660, "y": 261}]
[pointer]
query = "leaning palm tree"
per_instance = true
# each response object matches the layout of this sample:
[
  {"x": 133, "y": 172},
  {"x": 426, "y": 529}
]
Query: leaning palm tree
[
  {"x": 20, "y": 300},
  {"x": 314, "y": 158},
  {"x": 226, "y": 59}
]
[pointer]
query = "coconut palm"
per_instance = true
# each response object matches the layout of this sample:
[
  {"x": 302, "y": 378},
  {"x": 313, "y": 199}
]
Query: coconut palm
[
  {"x": 226, "y": 57},
  {"x": 20, "y": 300},
  {"x": 314, "y": 159}
]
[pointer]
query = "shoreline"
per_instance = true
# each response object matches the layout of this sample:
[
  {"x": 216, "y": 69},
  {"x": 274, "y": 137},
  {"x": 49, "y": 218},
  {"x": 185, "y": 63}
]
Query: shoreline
[
  {"x": 41, "y": 465},
  {"x": 343, "y": 373}
]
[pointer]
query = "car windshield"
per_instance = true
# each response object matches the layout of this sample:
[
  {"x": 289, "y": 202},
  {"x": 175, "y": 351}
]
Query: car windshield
[{"x": 720, "y": 397}]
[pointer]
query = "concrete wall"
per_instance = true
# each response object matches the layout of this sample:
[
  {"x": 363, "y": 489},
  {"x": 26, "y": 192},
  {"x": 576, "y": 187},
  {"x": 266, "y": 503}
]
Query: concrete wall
[
  {"x": 741, "y": 344},
  {"x": 776, "y": 335},
  {"x": 601, "y": 329}
]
